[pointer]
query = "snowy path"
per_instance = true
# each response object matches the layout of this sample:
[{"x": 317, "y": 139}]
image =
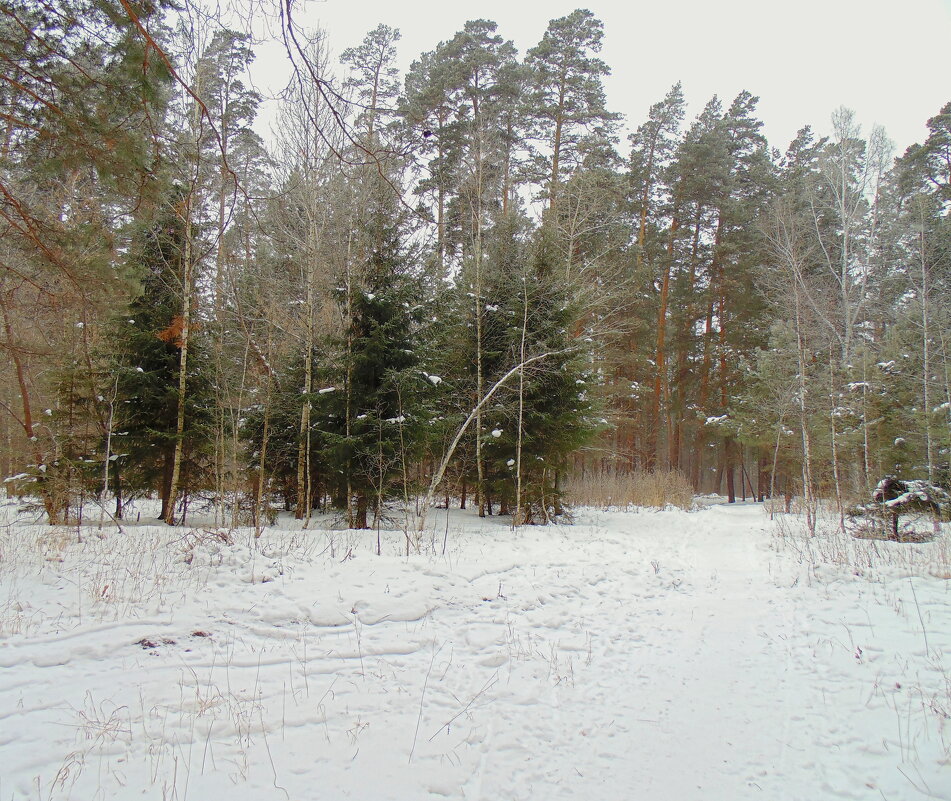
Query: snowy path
[
  {"x": 665, "y": 656},
  {"x": 709, "y": 680},
  {"x": 690, "y": 698}
]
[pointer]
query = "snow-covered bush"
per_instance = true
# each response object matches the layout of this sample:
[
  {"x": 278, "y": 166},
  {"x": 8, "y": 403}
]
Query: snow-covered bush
[{"x": 894, "y": 497}]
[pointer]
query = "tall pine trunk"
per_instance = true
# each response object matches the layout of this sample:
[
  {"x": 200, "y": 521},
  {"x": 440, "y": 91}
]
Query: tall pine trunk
[
  {"x": 683, "y": 337},
  {"x": 661, "y": 388}
]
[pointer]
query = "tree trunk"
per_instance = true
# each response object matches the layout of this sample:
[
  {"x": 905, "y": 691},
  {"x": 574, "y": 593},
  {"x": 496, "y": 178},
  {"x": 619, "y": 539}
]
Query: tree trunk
[
  {"x": 682, "y": 337},
  {"x": 303, "y": 440},
  {"x": 360, "y": 511},
  {"x": 701, "y": 442},
  {"x": 259, "y": 500},
  {"x": 556, "y": 152},
  {"x": 926, "y": 356},
  {"x": 661, "y": 388},
  {"x": 730, "y": 468},
  {"x": 807, "y": 487},
  {"x": 835, "y": 441},
  {"x": 645, "y": 200},
  {"x": 517, "y": 519},
  {"x": 43, "y": 485}
]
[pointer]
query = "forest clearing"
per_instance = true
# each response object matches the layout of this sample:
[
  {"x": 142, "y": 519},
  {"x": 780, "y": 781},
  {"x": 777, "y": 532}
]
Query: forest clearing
[
  {"x": 711, "y": 654},
  {"x": 399, "y": 423}
]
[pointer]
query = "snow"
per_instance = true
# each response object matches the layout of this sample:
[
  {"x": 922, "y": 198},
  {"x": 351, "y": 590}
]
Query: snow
[
  {"x": 641, "y": 654},
  {"x": 326, "y": 390},
  {"x": 909, "y": 491}
]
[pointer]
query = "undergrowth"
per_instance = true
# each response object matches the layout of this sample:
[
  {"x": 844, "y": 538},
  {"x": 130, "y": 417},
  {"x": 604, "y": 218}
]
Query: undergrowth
[{"x": 611, "y": 490}]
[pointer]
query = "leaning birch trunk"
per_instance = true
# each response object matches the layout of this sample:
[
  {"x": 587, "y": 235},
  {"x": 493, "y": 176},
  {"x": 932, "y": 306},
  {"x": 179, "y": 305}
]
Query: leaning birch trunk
[
  {"x": 441, "y": 470},
  {"x": 187, "y": 268},
  {"x": 235, "y": 411},
  {"x": 260, "y": 498},
  {"x": 221, "y": 383},
  {"x": 480, "y": 469},
  {"x": 180, "y": 414}
]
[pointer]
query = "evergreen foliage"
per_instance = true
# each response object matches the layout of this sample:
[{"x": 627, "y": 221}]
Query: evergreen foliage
[
  {"x": 145, "y": 346},
  {"x": 373, "y": 422},
  {"x": 459, "y": 246}
]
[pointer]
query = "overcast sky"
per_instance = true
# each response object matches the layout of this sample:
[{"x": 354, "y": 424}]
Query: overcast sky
[{"x": 886, "y": 60}]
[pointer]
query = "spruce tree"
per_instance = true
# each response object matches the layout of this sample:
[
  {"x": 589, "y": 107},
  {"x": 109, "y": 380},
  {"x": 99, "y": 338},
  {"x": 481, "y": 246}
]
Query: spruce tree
[
  {"x": 545, "y": 412},
  {"x": 145, "y": 345},
  {"x": 373, "y": 422}
]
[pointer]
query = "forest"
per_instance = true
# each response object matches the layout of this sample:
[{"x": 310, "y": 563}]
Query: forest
[{"x": 469, "y": 284}]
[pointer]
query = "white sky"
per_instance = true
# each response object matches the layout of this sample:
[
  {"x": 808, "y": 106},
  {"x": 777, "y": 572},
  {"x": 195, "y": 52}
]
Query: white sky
[{"x": 886, "y": 60}]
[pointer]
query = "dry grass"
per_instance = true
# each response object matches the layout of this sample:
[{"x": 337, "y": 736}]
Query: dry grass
[
  {"x": 870, "y": 557},
  {"x": 659, "y": 489}
]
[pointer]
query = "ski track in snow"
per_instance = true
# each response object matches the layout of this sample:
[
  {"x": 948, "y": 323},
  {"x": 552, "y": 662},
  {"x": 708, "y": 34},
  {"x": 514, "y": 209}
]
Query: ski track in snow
[{"x": 656, "y": 655}]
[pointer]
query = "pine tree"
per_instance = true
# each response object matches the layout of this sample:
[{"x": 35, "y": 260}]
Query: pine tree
[
  {"x": 234, "y": 182},
  {"x": 566, "y": 103},
  {"x": 652, "y": 148},
  {"x": 923, "y": 179},
  {"x": 374, "y": 78},
  {"x": 83, "y": 106}
]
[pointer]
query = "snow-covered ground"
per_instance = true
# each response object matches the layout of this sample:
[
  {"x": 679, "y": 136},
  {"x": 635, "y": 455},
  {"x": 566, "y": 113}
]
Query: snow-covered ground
[{"x": 640, "y": 655}]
